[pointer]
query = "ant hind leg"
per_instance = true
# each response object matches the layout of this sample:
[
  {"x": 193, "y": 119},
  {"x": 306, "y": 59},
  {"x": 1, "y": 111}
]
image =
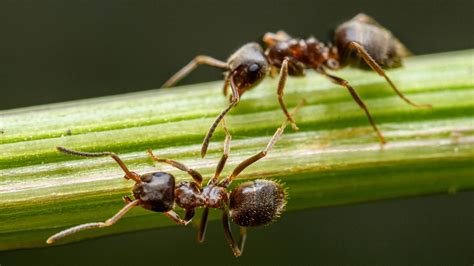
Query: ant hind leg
[
  {"x": 371, "y": 62},
  {"x": 356, "y": 97},
  {"x": 175, "y": 217},
  {"x": 236, "y": 249}
]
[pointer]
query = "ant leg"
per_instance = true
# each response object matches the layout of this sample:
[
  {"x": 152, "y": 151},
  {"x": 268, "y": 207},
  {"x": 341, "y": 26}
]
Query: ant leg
[
  {"x": 126, "y": 199},
  {"x": 193, "y": 173},
  {"x": 175, "y": 217},
  {"x": 356, "y": 98},
  {"x": 243, "y": 238},
  {"x": 234, "y": 100},
  {"x": 203, "y": 225},
  {"x": 81, "y": 227},
  {"x": 239, "y": 168},
  {"x": 225, "y": 155},
  {"x": 128, "y": 174},
  {"x": 225, "y": 89},
  {"x": 273, "y": 71},
  {"x": 371, "y": 62},
  {"x": 237, "y": 250},
  {"x": 198, "y": 60},
  {"x": 189, "y": 215},
  {"x": 280, "y": 91},
  {"x": 213, "y": 181}
]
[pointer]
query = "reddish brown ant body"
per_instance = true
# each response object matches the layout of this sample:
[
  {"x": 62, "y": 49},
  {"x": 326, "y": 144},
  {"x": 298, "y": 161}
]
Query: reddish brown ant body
[
  {"x": 250, "y": 204},
  {"x": 360, "y": 42}
]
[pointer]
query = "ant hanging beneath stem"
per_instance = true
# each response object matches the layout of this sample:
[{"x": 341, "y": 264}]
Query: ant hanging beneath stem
[
  {"x": 250, "y": 204},
  {"x": 360, "y": 42}
]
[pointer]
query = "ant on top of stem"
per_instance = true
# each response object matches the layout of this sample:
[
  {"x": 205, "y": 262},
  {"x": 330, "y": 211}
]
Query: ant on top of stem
[
  {"x": 360, "y": 42},
  {"x": 250, "y": 204}
]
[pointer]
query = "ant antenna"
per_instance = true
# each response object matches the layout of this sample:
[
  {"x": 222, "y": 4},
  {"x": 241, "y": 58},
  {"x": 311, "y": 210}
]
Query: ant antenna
[
  {"x": 128, "y": 174},
  {"x": 234, "y": 100}
]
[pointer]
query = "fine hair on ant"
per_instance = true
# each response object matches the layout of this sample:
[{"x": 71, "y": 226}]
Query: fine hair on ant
[
  {"x": 250, "y": 204},
  {"x": 360, "y": 42}
]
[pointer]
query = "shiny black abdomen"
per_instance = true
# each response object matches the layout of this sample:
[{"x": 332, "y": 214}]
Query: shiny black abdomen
[{"x": 156, "y": 191}]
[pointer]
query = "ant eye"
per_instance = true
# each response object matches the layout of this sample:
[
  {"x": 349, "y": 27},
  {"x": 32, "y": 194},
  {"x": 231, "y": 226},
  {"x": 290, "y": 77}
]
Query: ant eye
[
  {"x": 254, "y": 68},
  {"x": 333, "y": 64}
]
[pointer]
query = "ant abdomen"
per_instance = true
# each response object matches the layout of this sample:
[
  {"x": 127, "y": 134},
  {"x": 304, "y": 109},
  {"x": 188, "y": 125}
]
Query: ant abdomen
[
  {"x": 257, "y": 202},
  {"x": 380, "y": 44},
  {"x": 156, "y": 191}
]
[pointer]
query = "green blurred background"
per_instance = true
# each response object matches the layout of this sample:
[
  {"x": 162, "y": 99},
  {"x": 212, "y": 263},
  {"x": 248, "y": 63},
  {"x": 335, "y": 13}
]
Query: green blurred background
[{"x": 53, "y": 51}]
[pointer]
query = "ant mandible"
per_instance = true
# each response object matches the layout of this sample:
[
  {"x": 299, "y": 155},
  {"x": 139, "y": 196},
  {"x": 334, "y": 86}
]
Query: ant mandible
[
  {"x": 250, "y": 204},
  {"x": 360, "y": 42}
]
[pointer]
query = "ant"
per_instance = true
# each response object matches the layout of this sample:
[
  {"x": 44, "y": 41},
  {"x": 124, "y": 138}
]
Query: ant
[
  {"x": 250, "y": 204},
  {"x": 360, "y": 42}
]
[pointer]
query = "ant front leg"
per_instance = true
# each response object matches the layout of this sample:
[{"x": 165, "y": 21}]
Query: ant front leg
[
  {"x": 234, "y": 100},
  {"x": 213, "y": 181},
  {"x": 188, "y": 216},
  {"x": 198, "y": 60},
  {"x": 356, "y": 97},
  {"x": 240, "y": 167},
  {"x": 371, "y": 62},
  {"x": 225, "y": 155},
  {"x": 280, "y": 91},
  {"x": 236, "y": 249},
  {"x": 225, "y": 89}
]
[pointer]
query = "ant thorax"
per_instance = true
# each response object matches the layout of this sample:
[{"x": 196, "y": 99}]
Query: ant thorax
[
  {"x": 189, "y": 195},
  {"x": 215, "y": 196},
  {"x": 302, "y": 54}
]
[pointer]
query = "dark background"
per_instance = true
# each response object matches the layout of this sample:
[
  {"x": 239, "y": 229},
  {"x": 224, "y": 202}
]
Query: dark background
[{"x": 53, "y": 51}]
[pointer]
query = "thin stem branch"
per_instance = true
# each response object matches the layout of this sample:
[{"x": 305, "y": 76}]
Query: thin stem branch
[{"x": 335, "y": 157}]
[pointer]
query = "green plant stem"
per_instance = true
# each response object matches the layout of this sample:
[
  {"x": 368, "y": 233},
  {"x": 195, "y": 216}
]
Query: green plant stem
[{"x": 334, "y": 158}]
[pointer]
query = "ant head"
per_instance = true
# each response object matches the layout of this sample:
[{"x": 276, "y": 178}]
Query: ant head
[
  {"x": 248, "y": 66},
  {"x": 257, "y": 202},
  {"x": 155, "y": 191}
]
